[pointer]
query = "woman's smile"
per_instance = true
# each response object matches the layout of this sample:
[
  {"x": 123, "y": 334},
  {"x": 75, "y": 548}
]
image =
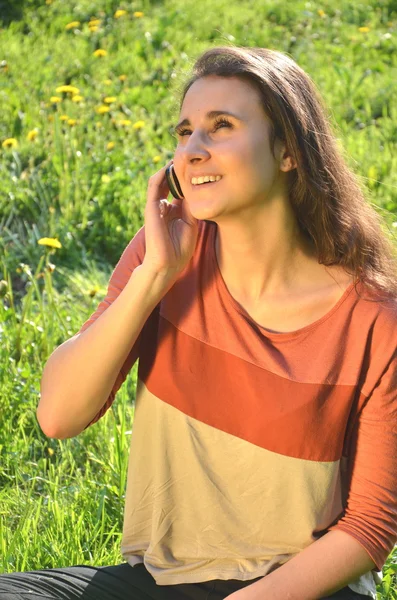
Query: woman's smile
[{"x": 197, "y": 186}]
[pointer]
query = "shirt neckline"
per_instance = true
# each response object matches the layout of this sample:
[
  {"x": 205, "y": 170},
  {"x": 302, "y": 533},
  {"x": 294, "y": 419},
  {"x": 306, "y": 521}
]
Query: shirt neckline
[{"x": 283, "y": 335}]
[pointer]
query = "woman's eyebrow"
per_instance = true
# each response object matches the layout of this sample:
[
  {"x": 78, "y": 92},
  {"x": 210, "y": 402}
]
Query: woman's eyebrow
[{"x": 210, "y": 115}]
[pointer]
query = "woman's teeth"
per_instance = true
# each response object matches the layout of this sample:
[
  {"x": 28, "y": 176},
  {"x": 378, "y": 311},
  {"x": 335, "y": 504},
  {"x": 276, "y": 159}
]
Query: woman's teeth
[{"x": 207, "y": 179}]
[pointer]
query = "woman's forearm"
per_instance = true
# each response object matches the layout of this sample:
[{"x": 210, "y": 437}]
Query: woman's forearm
[
  {"x": 321, "y": 569},
  {"x": 80, "y": 373}
]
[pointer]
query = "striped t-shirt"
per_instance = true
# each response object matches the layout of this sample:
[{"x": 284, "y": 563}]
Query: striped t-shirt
[{"x": 248, "y": 445}]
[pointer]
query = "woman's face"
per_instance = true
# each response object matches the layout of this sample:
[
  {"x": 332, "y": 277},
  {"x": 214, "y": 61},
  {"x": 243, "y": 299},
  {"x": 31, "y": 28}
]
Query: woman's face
[{"x": 238, "y": 150}]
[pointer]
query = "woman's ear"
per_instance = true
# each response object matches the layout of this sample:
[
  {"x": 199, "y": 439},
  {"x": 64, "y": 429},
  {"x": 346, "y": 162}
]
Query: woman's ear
[{"x": 287, "y": 161}]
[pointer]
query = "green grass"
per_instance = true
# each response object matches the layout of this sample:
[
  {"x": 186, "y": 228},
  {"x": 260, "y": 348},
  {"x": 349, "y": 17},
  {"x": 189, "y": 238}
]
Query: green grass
[{"x": 61, "y": 502}]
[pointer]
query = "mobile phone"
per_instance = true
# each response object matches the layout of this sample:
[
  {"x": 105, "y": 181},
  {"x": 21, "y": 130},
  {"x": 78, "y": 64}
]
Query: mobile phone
[{"x": 173, "y": 183}]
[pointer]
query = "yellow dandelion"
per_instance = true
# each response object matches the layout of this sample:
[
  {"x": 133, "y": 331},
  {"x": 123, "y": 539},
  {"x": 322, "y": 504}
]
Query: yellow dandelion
[
  {"x": 32, "y": 135},
  {"x": 100, "y": 53},
  {"x": 93, "y": 292},
  {"x": 55, "y": 99},
  {"x": 101, "y": 110},
  {"x": 124, "y": 122},
  {"x": 64, "y": 117},
  {"x": 156, "y": 159},
  {"x": 94, "y": 22},
  {"x": 77, "y": 98},
  {"x": 139, "y": 124},
  {"x": 10, "y": 143},
  {"x": 110, "y": 99},
  {"x": 94, "y": 29},
  {"x": 50, "y": 242},
  {"x": 98, "y": 125},
  {"x": 138, "y": 14},
  {"x": 119, "y": 13},
  {"x": 110, "y": 146},
  {"x": 364, "y": 29},
  {"x": 50, "y": 118},
  {"x": 50, "y": 451},
  {"x": 67, "y": 89},
  {"x": 72, "y": 25},
  {"x": 72, "y": 122},
  {"x": 107, "y": 82},
  {"x": 105, "y": 178},
  {"x": 321, "y": 13},
  {"x": 122, "y": 77}
]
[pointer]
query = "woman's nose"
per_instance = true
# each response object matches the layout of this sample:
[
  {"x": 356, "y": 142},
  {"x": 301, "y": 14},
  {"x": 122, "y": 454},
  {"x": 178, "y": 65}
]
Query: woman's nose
[{"x": 195, "y": 148}]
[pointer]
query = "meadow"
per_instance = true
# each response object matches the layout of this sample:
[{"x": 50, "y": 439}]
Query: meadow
[{"x": 88, "y": 95}]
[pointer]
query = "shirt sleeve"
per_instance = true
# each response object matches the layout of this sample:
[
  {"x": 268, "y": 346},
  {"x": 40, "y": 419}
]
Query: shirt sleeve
[
  {"x": 370, "y": 515},
  {"x": 131, "y": 258}
]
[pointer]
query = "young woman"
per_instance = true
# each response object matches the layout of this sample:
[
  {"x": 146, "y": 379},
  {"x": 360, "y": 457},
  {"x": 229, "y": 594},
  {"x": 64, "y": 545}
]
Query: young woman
[{"x": 262, "y": 308}]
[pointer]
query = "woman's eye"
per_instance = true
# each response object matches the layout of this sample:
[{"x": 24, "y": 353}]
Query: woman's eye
[{"x": 182, "y": 132}]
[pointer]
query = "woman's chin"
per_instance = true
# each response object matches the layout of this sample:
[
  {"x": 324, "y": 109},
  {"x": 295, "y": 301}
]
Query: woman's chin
[{"x": 202, "y": 208}]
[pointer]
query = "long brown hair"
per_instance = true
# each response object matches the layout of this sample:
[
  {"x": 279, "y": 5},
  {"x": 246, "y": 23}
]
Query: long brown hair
[{"x": 329, "y": 204}]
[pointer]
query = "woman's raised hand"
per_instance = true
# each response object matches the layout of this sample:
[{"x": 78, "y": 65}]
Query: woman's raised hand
[{"x": 170, "y": 229}]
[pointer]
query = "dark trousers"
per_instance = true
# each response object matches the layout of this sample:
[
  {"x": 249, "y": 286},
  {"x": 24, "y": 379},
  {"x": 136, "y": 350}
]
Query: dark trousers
[{"x": 119, "y": 582}]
